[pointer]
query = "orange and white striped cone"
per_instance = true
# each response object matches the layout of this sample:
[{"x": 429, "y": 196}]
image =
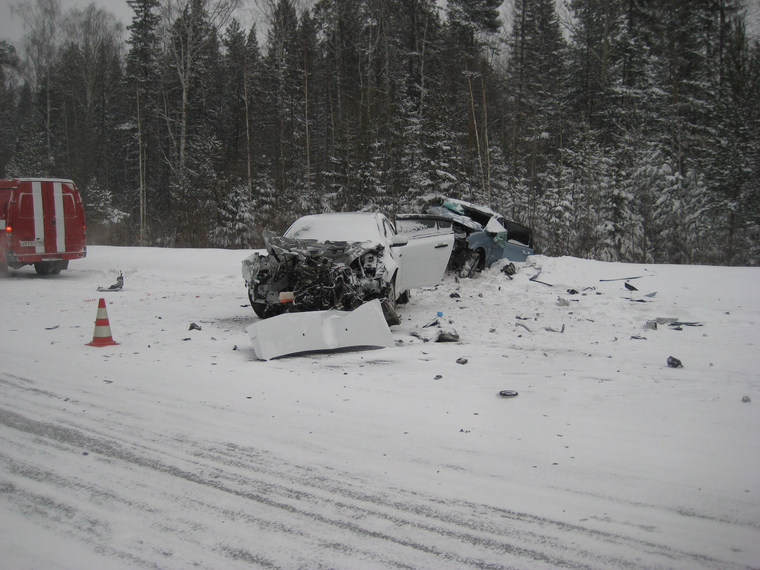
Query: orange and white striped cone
[{"x": 102, "y": 335}]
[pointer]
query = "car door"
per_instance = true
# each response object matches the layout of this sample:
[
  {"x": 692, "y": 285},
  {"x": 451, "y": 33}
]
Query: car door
[{"x": 423, "y": 259}]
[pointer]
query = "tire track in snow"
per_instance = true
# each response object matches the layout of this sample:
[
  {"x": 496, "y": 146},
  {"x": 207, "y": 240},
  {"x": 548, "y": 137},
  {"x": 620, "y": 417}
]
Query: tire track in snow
[{"x": 307, "y": 505}]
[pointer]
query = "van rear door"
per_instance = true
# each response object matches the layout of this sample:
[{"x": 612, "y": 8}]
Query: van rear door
[{"x": 50, "y": 218}]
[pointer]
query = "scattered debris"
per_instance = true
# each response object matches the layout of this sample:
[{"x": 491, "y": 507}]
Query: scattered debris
[
  {"x": 118, "y": 286},
  {"x": 637, "y": 337},
  {"x": 447, "y": 335},
  {"x": 623, "y": 278},
  {"x": 572, "y": 292},
  {"x": 554, "y": 330},
  {"x": 437, "y": 377},
  {"x": 746, "y": 399},
  {"x": 52, "y": 328},
  {"x": 651, "y": 294},
  {"x": 455, "y": 295},
  {"x": 436, "y": 331},
  {"x": 509, "y": 270},
  {"x": 507, "y": 393},
  {"x": 651, "y": 325},
  {"x": 630, "y": 287},
  {"x": 523, "y": 326},
  {"x": 563, "y": 302},
  {"x": 461, "y": 361},
  {"x": 535, "y": 278},
  {"x": 665, "y": 320},
  {"x": 674, "y": 362},
  {"x": 684, "y": 324},
  {"x": 194, "y": 327}
]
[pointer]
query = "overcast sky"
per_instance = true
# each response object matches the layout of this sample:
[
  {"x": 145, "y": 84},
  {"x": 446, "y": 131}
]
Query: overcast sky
[{"x": 11, "y": 28}]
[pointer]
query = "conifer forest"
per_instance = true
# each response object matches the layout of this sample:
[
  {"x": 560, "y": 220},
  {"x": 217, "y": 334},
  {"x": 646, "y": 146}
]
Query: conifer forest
[{"x": 620, "y": 130}]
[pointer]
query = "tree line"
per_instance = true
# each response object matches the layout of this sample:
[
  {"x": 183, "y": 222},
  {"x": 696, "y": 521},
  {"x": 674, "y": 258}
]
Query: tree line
[{"x": 616, "y": 129}]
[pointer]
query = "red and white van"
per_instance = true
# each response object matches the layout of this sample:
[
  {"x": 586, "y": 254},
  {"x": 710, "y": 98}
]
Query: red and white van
[{"x": 42, "y": 223}]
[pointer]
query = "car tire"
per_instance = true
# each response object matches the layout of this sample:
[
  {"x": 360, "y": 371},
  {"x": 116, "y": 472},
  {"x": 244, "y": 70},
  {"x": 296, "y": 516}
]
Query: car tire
[
  {"x": 472, "y": 264},
  {"x": 43, "y": 268},
  {"x": 259, "y": 308},
  {"x": 389, "y": 305}
]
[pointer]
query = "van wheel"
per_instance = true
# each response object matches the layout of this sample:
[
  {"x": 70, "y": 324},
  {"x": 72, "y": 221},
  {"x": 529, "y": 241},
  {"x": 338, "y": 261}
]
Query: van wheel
[{"x": 44, "y": 268}]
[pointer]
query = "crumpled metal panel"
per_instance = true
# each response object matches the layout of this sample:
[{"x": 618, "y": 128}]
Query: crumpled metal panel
[{"x": 293, "y": 333}]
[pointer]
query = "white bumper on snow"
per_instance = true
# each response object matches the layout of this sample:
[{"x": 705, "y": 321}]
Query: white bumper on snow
[{"x": 292, "y": 333}]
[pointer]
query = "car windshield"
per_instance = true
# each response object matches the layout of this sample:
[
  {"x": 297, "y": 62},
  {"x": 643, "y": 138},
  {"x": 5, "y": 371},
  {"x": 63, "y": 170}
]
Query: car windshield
[{"x": 338, "y": 227}]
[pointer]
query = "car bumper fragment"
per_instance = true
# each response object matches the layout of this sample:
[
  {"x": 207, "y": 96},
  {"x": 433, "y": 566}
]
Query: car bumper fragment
[{"x": 293, "y": 333}]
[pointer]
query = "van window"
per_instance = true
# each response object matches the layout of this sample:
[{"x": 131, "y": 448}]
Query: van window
[{"x": 26, "y": 205}]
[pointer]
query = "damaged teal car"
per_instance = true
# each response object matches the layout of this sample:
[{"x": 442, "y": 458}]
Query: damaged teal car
[{"x": 483, "y": 236}]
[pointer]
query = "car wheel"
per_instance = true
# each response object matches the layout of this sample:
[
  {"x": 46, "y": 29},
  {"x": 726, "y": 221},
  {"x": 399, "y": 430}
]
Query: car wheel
[
  {"x": 472, "y": 264},
  {"x": 389, "y": 305},
  {"x": 259, "y": 308}
]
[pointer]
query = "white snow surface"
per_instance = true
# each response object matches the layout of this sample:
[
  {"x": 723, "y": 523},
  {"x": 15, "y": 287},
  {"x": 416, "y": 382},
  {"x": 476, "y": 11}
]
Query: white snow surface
[{"x": 178, "y": 449}]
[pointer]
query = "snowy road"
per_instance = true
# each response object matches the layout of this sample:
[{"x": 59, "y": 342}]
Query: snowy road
[{"x": 177, "y": 449}]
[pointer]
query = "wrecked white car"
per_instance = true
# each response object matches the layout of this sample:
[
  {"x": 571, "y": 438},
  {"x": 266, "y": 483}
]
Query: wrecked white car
[{"x": 342, "y": 260}]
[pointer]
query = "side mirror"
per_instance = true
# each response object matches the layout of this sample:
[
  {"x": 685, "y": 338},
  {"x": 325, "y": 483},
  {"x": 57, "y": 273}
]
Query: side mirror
[{"x": 398, "y": 241}]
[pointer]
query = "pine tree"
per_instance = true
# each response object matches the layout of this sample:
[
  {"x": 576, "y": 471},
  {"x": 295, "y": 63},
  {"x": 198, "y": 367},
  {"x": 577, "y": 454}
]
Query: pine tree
[
  {"x": 9, "y": 64},
  {"x": 537, "y": 82},
  {"x": 141, "y": 73}
]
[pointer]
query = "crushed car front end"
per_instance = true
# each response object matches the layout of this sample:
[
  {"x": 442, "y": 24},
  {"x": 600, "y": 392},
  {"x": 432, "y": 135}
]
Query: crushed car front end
[{"x": 308, "y": 275}]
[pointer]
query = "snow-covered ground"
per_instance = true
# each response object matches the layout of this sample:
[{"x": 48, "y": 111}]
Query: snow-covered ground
[{"x": 178, "y": 449}]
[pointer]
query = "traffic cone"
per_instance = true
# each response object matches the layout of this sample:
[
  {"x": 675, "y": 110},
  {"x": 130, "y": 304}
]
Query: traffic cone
[{"x": 102, "y": 335}]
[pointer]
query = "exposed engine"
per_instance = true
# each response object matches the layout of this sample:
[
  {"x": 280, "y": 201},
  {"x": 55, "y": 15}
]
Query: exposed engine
[{"x": 306, "y": 275}]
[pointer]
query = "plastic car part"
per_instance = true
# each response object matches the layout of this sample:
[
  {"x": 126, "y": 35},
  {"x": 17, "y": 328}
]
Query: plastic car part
[{"x": 293, "y": 333}]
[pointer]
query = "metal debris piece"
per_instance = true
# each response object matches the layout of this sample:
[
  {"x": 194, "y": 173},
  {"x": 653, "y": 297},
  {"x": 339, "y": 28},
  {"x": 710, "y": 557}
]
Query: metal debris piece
[
  {"x": 630, "y": 287},
  {"x": 746, "y": 399},
  {"x": 118, "y": 286},
  {"x": 447, "y": 335},
  {"x": 535, "y": 278},
  {"x": 461, "y": 361},
  {"x": 194, "y": 327},
  {"x": 623, "y": 278},
  {"x": 507, "y": 393},
  {"x": 674, "y": 362}
]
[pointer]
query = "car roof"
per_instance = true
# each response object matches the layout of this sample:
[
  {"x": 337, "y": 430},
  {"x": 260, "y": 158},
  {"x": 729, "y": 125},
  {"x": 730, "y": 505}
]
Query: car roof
[{"x": 338, "y": 226}]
